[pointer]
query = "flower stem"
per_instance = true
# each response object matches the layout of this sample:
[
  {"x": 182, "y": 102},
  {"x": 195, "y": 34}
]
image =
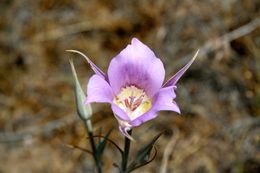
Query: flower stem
[
  {"x": 126, "y": 152},
  {"x": 89, "y": 130}
]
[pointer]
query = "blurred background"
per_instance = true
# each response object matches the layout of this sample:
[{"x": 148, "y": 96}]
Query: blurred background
[{"x": 219, "y": 129}]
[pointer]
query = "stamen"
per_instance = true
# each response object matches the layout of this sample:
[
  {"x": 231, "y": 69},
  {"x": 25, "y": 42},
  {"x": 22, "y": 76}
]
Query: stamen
[
  {"x": 127, "y": 103},
  {"x": 133, "y": 101}
]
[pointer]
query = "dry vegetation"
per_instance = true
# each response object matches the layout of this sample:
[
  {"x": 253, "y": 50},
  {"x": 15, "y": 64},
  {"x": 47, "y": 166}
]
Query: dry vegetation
[{"x": 219, "y": 96}]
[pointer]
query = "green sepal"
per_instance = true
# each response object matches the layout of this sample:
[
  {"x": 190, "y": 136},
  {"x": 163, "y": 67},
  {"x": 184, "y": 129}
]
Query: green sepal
[{"x": 84, "y": 111}]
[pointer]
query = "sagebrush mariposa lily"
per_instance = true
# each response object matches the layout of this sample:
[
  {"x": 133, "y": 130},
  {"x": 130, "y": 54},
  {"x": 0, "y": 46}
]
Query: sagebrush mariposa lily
[{"x": 134, "y": 85}]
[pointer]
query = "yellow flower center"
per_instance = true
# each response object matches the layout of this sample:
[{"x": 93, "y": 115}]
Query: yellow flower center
[{"x": 133, "y": 101}]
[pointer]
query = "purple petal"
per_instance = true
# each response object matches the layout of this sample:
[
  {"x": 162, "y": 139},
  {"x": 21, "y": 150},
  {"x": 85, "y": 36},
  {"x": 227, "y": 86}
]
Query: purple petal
[
  {"x": 151, "y": 114},
  {"x": 136, "y": 65},
  {"x": 174, "y": 79},
  {"x": 98, "y": 90},
  {"x": 119, "y": 113},
  {"x": 164, "y": 100},
  {"x": 97, "y": 70}
]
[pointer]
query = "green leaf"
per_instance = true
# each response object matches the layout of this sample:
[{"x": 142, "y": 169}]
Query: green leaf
[
  {"x": 118, "y": 167},
  {"x": 84, "y": 111},
  {"x": 143, "y": 155},
  {"x": 102, "y": 145}
]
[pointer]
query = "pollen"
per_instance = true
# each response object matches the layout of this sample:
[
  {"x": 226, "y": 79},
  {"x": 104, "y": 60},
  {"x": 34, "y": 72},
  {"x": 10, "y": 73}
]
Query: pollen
[{"x": 133, "y": 101}]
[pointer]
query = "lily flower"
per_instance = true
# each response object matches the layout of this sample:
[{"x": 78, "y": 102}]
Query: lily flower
[{"x": 133, "y": 85}]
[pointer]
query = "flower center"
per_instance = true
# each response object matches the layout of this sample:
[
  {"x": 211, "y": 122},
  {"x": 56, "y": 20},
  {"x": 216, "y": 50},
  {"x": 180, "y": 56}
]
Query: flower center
[{"x": 133, "y": 101}]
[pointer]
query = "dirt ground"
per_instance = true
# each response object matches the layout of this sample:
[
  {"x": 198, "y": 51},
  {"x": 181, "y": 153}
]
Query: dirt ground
[{"x": 219, "y": 96}]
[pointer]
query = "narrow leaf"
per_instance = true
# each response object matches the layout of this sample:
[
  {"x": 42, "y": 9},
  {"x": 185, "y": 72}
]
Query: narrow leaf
[
  {"x": 111, "y": 142},
  {"x": 84, "y": 111},
  {"x": 118, "y": 167},
  {"x": 79, "y": 148},
  {"x": 143, "y": 154},
  {"x": 144, "y": 163},
  {"x": 102, "y": 145}
]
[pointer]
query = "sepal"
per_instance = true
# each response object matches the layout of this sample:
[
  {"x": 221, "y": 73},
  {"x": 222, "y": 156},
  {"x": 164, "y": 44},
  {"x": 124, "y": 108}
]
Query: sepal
[{"x": 84, "y": 111}]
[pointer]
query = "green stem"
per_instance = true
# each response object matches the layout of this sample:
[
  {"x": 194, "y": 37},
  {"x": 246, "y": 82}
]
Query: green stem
[
  {"x": 126, "y": 153},
  {"x": 89, "y": 130}
]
